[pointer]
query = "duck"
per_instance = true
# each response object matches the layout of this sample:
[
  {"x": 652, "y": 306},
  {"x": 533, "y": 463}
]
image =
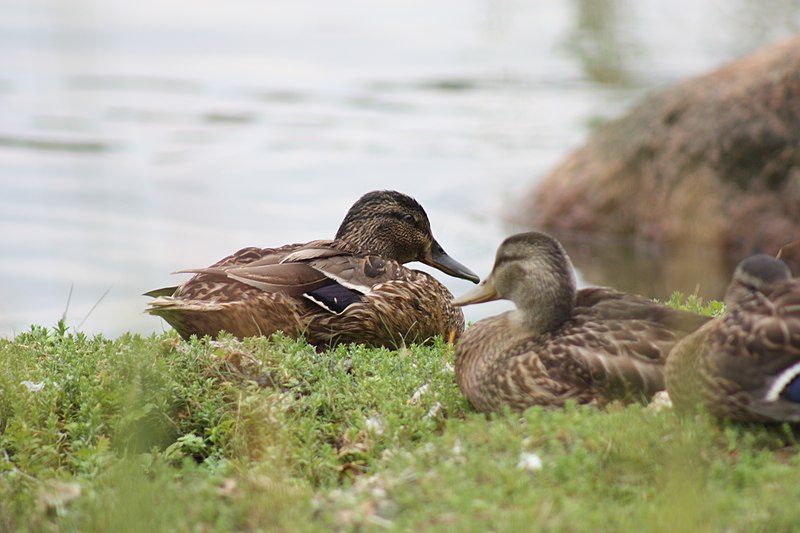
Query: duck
[
  {"x": 353, "y": 288},
  {"x": 560, "y": 344},
  {"x": 744, "y": 365}
]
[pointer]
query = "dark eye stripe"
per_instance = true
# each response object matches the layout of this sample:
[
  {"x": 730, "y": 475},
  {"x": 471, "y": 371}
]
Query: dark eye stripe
[
  {"x": 513, "y": 257},
  {"x": 404, "y": 217}
]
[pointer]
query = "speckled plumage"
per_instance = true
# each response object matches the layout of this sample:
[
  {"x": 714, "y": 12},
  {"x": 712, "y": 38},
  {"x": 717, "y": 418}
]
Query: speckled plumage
[
  {"x": 350, "y": 289},
  {"x": 744, "y": 365},
  {"x": 589, "y": 346}
]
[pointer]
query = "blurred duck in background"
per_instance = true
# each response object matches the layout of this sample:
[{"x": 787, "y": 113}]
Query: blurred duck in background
[{"x": 745, "y": 365}]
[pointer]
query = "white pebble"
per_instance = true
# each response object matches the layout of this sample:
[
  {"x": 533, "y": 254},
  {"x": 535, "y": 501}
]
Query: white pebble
[
  {"x": 33, "y": 387},
  {"x": 530, "y": 462},
  {"x": 418, "y": 394},
  {"x": 374, "y": 424},
  {"x": 661, "y": 400},
  {"x": 433, "y": 411}
]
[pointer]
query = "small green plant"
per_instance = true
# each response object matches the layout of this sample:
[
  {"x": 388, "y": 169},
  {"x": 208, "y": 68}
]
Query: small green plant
[{"x": 695, "y": 304}]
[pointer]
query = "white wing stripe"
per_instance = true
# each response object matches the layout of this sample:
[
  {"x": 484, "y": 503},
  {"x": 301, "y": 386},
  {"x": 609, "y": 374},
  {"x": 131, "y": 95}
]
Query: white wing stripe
[{"x": 780, "y": 383}]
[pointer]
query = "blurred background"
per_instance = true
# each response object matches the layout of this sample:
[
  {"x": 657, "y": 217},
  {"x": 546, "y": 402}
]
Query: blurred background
[{"x": 138, "y": 138}]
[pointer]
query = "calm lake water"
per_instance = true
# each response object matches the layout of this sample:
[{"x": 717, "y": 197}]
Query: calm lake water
[{"x": 138, "y": 138}]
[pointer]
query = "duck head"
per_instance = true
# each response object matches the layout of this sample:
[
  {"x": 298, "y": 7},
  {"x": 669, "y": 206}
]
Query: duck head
[
  {"x": 394, "y": 225},
  {"x": 533, "y": 271},
  {"x": 755, "y": 274}
]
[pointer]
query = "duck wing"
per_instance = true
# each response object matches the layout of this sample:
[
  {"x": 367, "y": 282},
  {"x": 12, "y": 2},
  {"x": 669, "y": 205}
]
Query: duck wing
[
  {"x": 292, "y": 279},
  {"x": 623, "y": 340},
  {"x": 609, "y": 304},
  {"x": 625, "y": 358},
  {"x": 328, "y": 273}
]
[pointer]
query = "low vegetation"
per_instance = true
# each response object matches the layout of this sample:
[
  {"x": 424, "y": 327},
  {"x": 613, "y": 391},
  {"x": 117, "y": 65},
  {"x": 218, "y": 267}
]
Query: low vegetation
[{"x": 157, "y": 434}]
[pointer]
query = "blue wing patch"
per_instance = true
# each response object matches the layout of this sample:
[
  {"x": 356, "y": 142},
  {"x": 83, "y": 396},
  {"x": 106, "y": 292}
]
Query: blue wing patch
[
  {"x": 334, "y": 297},
  {"x": 792, "y": 391}
]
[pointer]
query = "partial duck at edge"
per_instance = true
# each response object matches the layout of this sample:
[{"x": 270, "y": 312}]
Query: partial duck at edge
[{"x": 745, "y": 365}]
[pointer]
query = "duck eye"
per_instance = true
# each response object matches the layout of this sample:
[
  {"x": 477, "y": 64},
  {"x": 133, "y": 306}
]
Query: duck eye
[{"x": 409, "y": 218}]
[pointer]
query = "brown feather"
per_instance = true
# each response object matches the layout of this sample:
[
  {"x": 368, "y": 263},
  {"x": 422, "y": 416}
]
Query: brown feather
[{"x": 165, "y": 291}]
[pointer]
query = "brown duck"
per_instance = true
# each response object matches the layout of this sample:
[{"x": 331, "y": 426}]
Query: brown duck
[
  {"x": 590, "y": 346},
  {"x": 745, "y": 365},
  {"x": 353, "y": 288}
]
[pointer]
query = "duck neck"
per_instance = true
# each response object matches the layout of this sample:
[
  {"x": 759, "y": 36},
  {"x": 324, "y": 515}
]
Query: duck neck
[
  {"x": 543, "y": 291},
  {"x": 547, "y": 308}
]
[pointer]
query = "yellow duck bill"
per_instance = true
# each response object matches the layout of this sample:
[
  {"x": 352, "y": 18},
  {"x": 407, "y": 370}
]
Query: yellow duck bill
[{"x": 485, "y": 292}]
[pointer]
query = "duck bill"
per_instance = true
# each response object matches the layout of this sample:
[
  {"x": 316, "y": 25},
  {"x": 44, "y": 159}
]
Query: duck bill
[
  {"x": 485, "y": 292},
  {"x": 790, "y": 254},
  {"x": 438, "y": 258}
]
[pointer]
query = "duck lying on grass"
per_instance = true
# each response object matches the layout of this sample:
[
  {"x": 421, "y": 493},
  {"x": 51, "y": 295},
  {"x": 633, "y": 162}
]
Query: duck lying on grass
[
  {"x": 353, "y": 288},
  {"x": 590, "y": 346},
  {"x": 745, "y": 365}
]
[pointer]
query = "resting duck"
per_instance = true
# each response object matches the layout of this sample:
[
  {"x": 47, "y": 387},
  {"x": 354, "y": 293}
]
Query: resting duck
[
  {"x": 353, "y": 288},
  {"x": 589, "y": 346},
  {"x": 745, "y": 364}
]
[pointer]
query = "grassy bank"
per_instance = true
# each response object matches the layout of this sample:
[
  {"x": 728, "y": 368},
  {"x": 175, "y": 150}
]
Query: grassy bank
[{"x": 157, "y": 434}]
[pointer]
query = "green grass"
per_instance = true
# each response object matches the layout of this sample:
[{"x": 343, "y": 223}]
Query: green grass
[{"x": 157, "y": 434}]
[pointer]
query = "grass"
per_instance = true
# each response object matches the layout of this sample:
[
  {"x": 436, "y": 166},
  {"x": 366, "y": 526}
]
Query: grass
[{"x": 157, "y": 434}]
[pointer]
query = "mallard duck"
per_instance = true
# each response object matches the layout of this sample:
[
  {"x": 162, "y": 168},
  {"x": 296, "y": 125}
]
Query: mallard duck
[
  {"x": 353, "y": 288},
  {"x": 745, "y": 364},
  {"x": 590, "y": 346}
]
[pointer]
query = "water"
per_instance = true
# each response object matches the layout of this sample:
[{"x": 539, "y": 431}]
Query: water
[{"x": 138, "y": 138}]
